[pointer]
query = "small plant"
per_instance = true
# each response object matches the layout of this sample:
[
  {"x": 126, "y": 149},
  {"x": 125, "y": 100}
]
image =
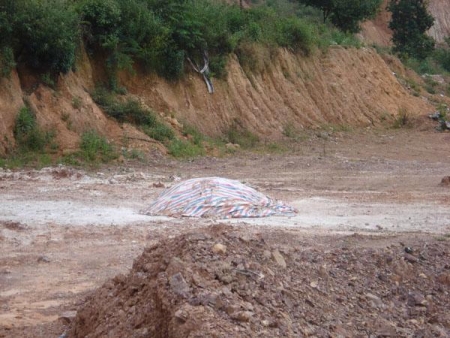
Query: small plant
[
  {"x": 29, "y": 136},
  {"x": 47, "y": 80},
  {"x": 7, "y": 62},
  {"x": 443, "y": 110},
  {"x": 95, "y": 147},
  {"x": 159, "y": 131},
  {"x": 77, "y": 103},
  {"x": 184, "y": 149},
  {"x": 193, "y": 133},
  {"x": 402, "y": 119},
  {"x": 136, "y": 154},
  {"x": 243, "y": 137}
]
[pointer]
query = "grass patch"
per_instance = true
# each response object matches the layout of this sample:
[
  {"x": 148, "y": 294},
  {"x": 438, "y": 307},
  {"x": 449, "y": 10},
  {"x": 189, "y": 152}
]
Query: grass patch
[
  {"x": 131, "y": 111},
  {"x": 29, "y": 136},
  {"x": 403, "y": 119},
  {"x": 184, "y": 149},
  {"x": 95, "y": 148},
  {"x": 238, "y": 135},
  {"x": 193, "y": 134}
]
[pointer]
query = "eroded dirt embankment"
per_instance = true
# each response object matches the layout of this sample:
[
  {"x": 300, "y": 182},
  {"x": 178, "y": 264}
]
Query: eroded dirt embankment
[{"x": 341, "y": 86}]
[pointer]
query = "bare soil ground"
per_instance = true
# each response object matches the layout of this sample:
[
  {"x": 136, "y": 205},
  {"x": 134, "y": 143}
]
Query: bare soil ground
[{"x": 368, "y": 254}]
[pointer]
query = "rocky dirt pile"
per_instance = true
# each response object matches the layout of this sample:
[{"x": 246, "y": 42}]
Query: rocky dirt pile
[{"x": 229, "y": 282}]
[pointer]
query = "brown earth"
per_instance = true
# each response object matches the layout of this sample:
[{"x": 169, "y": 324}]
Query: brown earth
[
  {"x": 366, "y": 256},
  {"x": 377, "y": 31},
  {"x": 226, "y": 282},
  {"x": 339, "y": 87}
]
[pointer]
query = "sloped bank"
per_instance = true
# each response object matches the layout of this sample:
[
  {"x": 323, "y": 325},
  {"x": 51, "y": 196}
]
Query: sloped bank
[{"x": 341, "y": 86}]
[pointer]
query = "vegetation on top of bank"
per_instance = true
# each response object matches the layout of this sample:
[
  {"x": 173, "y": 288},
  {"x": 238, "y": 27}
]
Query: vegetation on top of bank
[{"x": 160, "y": 35}]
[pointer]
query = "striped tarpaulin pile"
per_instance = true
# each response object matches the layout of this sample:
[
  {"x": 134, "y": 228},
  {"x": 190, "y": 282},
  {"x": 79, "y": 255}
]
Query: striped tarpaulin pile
[{"x": 216, "y": 197}]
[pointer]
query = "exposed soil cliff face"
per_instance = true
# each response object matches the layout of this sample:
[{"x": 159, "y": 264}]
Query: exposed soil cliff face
[
  {"x": 376, "y": 31},
  {"x": 341, "y": 86},
  {"x": 440, "y": 10},
  {"x": 10, "y": 103}
]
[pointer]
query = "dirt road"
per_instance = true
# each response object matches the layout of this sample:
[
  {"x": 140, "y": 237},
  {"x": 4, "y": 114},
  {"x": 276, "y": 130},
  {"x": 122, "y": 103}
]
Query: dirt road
[{"x": 64, "y": 231}]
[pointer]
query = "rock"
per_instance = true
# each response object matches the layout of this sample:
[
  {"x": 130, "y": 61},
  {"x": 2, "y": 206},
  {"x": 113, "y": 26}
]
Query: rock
[
  {"x": 232, "y": 146},
  {"x": 444, "y": 278},
  {"x": 219, "y": 249},
  {"x": 374, "y": 299},
  {"x": 68, "y": 316},
  {"x": 415, "y": 298},
  {"x": 314, "y": 284},
  {"x": 242, "y": 316},
  {"x": 445, "y": 182},
  {"x": 181, "y": 315},
  {"x": 43, "y": 259},
  {"x": 279, "y": 259},
  {"x": 410, "y": 258},
  {"x": 179, "y": 285},
  {"x": 158, "y": 185}
]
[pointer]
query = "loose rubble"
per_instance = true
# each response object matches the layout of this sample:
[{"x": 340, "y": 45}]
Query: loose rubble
[{"x": 226, "y": 282}]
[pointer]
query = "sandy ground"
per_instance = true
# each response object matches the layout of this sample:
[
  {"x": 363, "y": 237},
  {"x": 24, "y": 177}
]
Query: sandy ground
[{"x": 65, "y": 231}]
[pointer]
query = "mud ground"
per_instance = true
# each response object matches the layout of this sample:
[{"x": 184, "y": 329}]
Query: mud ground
[{"x": 64, "y": 232}]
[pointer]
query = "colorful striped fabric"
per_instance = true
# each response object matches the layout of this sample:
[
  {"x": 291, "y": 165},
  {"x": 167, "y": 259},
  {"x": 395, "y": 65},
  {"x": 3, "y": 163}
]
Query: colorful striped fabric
[{"x": 216, "y": 197}]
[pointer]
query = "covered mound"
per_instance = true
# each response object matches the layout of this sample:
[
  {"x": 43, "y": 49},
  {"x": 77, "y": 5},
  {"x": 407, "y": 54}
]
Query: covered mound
[
  {"x": 216, "y": 197},
  {"x": 223, "y": 281}
]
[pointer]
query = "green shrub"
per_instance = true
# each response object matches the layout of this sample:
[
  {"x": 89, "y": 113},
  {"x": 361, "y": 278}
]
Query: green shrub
[
  {"x": 184, "y": 149},
  {"x": 28, "y": 135},
  {"x": 94, "y": 147},
  {"x": 130, "y": 111},
  {"x": 7, "y": 62},
  {"x": 159, "y": 131},
  {"x": 193, "y": 133},
  {"x": 403, "y": 119},
  {"x": 297, "y": 34},
  {"x": 243, "y": 137}
]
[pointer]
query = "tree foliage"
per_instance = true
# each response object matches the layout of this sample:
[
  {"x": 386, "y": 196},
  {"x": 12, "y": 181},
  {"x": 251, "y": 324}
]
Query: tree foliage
[
  {"x": 409, "y": 23},
  {"x": 346, "y": 14},
  {"x": 46, "y": 34},
  {"x": 158, "y": 34}
]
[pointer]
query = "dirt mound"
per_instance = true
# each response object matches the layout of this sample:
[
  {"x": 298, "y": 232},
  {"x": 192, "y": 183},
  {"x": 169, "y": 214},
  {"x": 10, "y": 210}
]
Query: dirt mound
[{"x": 226, "y": 282}]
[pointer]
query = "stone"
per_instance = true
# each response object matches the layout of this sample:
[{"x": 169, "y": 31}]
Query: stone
[
  {"x": 43, "y": 259},
  {"x": 445, "y": 182},
  {"x": 242, "y": 316},
  {"x": 444, "y": 278},
  {"x": 219, "y": 249},
  {"x": 279, "y": 259},
  {"x": 181, "y": 315},
  {"x": 179, "y": 285},
  {"x": 374, "y": 299}
]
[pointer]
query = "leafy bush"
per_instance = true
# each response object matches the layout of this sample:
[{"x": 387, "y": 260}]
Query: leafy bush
[
  {"x": 159, "y": 131},
  {"x": 184, "y": 149},
  {"x": 7, "y": 62},
  {"x": 131, "y": 111},
  {"x": 298, "y": 35},
  {"x": 95, "y": 147},
  {"x": 28, "y": 135}
]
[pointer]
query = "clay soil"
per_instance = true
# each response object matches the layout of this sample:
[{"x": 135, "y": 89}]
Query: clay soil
[{"x": 367, "y": 256}]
